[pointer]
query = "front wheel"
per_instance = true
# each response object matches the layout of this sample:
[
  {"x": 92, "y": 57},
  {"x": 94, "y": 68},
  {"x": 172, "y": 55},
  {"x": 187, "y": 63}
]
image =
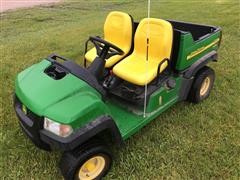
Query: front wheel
[
  {"x": 202, "y": 85},
  {"x": 89, "y": 162}
]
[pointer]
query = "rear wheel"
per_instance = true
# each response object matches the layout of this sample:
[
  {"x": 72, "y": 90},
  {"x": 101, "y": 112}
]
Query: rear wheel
[
  {"x": 88, "y": 162},
  {"x": 202, "y": 85}
]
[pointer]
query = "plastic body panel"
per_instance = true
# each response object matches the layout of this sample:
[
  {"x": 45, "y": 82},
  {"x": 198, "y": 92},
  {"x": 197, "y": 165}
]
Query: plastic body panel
[
  {"x": 68, "y": 100},
  {"x": 194, "y": 42},
  {"x": 190, "y": 51}
]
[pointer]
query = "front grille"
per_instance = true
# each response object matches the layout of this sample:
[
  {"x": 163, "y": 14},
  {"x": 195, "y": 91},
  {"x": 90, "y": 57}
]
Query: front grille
[
  {"x": 31, "y": 123},
  {"x": 37, "y": 120},
  {"x": 32, "y": 115}
]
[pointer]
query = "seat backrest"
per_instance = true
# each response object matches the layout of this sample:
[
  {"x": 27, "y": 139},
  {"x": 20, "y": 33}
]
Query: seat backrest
[
  {"x": 118, "y": 29},
  {"x": 160, "y": 34}
]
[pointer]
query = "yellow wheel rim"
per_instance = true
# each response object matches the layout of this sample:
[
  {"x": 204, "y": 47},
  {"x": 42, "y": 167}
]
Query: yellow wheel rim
[
  {"x": 205, "y": 86},
  {"x": 92, "y": 168}
]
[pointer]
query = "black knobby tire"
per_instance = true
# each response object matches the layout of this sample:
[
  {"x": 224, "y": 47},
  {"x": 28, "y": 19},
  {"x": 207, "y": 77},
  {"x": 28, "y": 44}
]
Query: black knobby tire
[
  {"x": 195, "y": 94},
  {"x": 71, "y": 162}
]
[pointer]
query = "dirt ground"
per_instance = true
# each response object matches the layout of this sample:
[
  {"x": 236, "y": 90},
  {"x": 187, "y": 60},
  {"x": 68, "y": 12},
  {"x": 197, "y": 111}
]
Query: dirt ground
[{"x": 14, "y": 4}]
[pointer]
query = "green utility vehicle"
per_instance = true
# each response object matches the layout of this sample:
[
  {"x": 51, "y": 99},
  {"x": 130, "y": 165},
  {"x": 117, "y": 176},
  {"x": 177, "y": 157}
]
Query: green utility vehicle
[{"x": 131, "y": 75}]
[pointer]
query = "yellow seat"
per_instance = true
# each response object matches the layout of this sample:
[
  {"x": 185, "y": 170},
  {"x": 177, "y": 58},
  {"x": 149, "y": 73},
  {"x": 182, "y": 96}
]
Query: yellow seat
[
  {"x": 135, "y": 68},
  {"x": 118, "y": 30}
]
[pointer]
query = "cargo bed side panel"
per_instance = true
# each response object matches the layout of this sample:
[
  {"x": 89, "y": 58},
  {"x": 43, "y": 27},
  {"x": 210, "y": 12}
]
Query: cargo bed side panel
[{"x": 190, "y": 51}]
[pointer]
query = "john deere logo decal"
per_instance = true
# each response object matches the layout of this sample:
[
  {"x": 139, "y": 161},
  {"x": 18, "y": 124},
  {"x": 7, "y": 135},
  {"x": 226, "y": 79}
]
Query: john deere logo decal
[{"x": 24, "y": 109}]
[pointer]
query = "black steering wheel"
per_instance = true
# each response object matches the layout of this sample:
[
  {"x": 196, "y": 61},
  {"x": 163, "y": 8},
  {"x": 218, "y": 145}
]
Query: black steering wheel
[{"x": 104, "y": 48}]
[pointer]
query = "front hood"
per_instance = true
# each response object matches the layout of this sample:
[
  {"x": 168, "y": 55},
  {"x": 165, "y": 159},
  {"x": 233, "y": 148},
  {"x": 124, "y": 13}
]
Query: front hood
[{"x": 39, "y": 92}]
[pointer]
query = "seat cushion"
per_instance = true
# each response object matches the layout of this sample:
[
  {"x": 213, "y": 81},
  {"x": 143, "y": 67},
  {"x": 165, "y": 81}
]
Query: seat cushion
[
  {"x": 92, "y": 54},
  {"x": 118, "y": 30},
  {"x": 160, "y": 35},
  {"x": 135, "y": 69}
]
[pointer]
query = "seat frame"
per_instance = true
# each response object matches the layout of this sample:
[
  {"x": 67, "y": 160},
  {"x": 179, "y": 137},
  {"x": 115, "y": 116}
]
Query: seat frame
[{"x": 135, "y": 94}]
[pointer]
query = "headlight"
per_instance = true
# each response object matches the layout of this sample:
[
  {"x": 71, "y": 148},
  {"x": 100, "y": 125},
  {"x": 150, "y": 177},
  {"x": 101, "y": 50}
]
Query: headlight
[{"x": 57, "y": 128}]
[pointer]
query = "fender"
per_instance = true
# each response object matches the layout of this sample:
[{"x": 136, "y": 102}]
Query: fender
[
  {"x": 188, "y": 75},
  {"x": 83, "y": 134}
]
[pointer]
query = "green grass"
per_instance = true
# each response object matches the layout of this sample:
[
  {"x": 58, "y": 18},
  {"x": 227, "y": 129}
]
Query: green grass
[{"x": 187, "y": 141}]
